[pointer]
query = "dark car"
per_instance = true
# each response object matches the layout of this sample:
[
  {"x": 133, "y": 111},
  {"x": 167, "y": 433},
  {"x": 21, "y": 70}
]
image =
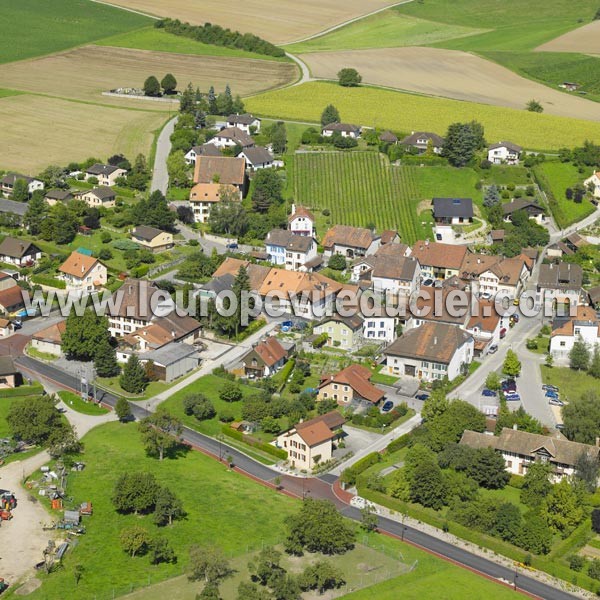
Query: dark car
[
  {"x": 422, "y": 396},
  {"x": 515, "y": 318},
  {"x": 512, "y": 397},
  {"x": 509, "y": 385},
  {"x": 489, "y": 393},
  {"x": 387, "y": 406},
  {"x": 17, "y": 325},
  {"x": 232, "y": 246},
  {"x": 551, "y": 388},
  {"x": 427, "y": 282},
  {"x": 503, "y": 333}
]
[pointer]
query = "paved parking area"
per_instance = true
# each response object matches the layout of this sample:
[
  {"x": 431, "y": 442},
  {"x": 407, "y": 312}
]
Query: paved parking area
[{"x": 355, "y": 440}]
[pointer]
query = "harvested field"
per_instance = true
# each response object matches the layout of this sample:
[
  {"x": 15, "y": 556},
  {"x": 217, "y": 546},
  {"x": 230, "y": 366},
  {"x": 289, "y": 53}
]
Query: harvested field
[
  {"x": 84, "y": 73},
  {"x": 38, "y": 131},
  {"x": 289, "y": 21},
  {"x": 586, "y": 40},
  {"x": 451, "y": 74}
]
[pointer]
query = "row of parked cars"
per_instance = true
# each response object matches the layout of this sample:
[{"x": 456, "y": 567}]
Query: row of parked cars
[
  {"x": 508, "y": 388},
  {"x": 552, "y": 395}
]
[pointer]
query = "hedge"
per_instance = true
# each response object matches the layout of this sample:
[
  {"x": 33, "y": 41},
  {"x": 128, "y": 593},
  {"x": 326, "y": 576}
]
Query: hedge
[
  {"x": 398, "y": 443},
  {"x": 351, "y": 473},
  {"x": 25, "y": 390},
  {"x": 251, "y": 441},
  {"x": 48, "y": 281}
]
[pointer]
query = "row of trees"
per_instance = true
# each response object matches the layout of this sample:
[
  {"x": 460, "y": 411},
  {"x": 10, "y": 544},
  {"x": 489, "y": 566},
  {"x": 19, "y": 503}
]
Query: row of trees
[
  {"x": 152, "y": 87},
  {"x": 197, "y": 104}
]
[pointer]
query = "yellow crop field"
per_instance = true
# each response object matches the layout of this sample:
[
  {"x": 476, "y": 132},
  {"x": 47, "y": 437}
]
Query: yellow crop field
[{"x": 409, "y": 112}]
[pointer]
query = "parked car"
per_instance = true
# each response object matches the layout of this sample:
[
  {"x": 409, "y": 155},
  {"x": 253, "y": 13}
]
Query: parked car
[
  {"x": 387, "y": 406},
  {"x": 232, "y": 246},
  {"x": 489, "y": 393},
  {"x": 512, "y": 397},
  {"x": 17, "y": 324},
  {"x": 551, "y": 394},
  {"x": 427, "y": 282},
  {"x": 515, "y": 318},
  {"x": 503, "y": 333},
  {"x": 556, "y": 402},
  {"x": 493, "y": 349},
  {"x": 552, "y": 388},
  {"x": 559, "y": 426},
  {"x": 509, "y": 385},
  {"x": 422, "y": 396},
  {"x": 486, "y": 296},
  {"x": 286, "y": 326}
]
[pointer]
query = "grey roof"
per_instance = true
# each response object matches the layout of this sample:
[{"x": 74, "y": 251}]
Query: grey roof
[
  {"x": 453, "y": 207},
  {"x": 237, "y": 135},
  {"x": 289, "y": 240},
  {"x": 144, "y": 232},
  {"x": 100, "y": 169},
  {"x": 354, "y": 322},
  {"x": 594, "y": 294},
  {"x": 411, "y": 140},
  {"x": 244, "y": 119},
  {"x": 103, "y": 192},
  {"x": 16, "y": 248},
  {"x": 563, "y": 276},
  {"x": 10, "y": 206},
  {"x": 171, "y": 354},
  {"x": 12, "y": 177},
  {"x": 258, "y": 155},
  {"x": 7, "y": 365},
  {"x": 509, "y": 145},
  {"x": 388, "y": 136},
  {"x": 393, "y": 267},
  {"x": 207, "y": 150},
  {"x": 58, "y": 194},
  {"x": 348, "y": 127},
  {"x": 521, "y": 204},
  {"x": 219, "y": 284}
]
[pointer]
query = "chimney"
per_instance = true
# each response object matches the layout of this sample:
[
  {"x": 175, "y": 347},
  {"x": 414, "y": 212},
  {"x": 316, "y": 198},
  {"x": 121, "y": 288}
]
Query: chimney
[
  {"x": 173, "y": 334},
  {"x": 435, "y": 341},
  {"x": 293, "y": 209},
  {"x": 479, "y": 261},
  {"x": 515, "y": 427}
]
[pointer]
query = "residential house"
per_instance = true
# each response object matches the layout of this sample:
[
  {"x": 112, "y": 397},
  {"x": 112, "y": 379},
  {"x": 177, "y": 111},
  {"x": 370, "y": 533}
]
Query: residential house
[
  {"x": 21, "y": 253},
  {"x": 49, "y": 340},
  {"x": 438, "y": 260},
  {"x": 98, "y": 196},
  {"x": 583, "y": 325},
  {"x": 16, "y": 210},
  {"x": 575, "y": 242},
  {"x": 450, "y": 212},
  {"x": 362, "y": 268},
  {"x": 203, "y": 196},
  {"x": 394, "y": 275},
  {"x": 55, "y": 195},
  {"x": 6, "y": 281},
  {"x": 380, "y": 327},
  {"x": 257, "y": 158},
  {"x": 83, "y": 274},
  {"x": 485, "y": 327},
  {"x": 439, "y": 305},
  {"x": 301, "y": 221},
  {"x": 593, "y": 184},
  {"x": 534, "y": 211},
  {"x": 504, "y": 153},
  {"x": 521, "y": 449},
  {"x": 256, "y": 273},
  {"x": 310, "y": 442},
  {"x": 293, "y": 251},
  {"x": 505, "y": 278},
  {"x": 246, "y": 122},
  {"x": 431, "y": 351},
  {"x": 9, "y": 376},
  {"x": 342, "y": 332},
  {"x": 387, "y": 137},
  {"x": 225, "y": 170},
  {"x": 151, "y": 238},
  {"x": 594, "y": 296},
  {"x": 203, "y": 150},
  {"x": 559, "y": 284},
  {"x": 105, "y": 174},
  {"x": 389, "y": 236},
  {"x": 351, "y": 385},
  {"x": 6, "y": 328},
  {"x": 421, "y": 141},
  {"x": 230, "y": 137},
  {"x": 344, "y": 129},
  {"x": 351, "y": 242},
  {"x": 7, "y": 184},
  {"x": 473, "y": 265},
  {"x": 12, "y": 300},
  {"x": 497, "y": 236},
  {"x": 264, "y": 359}
]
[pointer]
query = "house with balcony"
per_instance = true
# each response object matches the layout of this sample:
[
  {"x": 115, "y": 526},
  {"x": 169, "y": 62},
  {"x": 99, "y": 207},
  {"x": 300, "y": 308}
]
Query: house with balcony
[
  {"x": 584, "y": 325},
  {"x": 20, "y": 253},
  {"x": 438, "y": 260},
  {"x": 421, "y": 141},
  {"x": 559, "y": 286},
  {"x": 246, "y": 122},
  {"x": 285, "y": 248},
  {"x": 264, "y": 359},
  {"x": 7, "y": 184},
  {"x": 105, "y": 174},
  {"x": 203, "y": 196},
  {"x": 83, "y": 274},
  {"x": 504, "y": 153}
]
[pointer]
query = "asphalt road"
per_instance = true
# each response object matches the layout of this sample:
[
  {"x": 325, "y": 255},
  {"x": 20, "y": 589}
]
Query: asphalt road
[
  {"x": 160, "y": 175},
  {"x": 316, "y": 488}
]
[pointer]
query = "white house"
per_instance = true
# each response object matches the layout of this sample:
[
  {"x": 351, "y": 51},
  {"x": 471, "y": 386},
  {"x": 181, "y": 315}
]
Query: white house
[
  {"x": 507, "y": 277},
  {"x": 301, "y": 221},
  {"x": 7, "y": 184},
  {"x": 21, "y": 253},
  {"x": 105, "y": 174},
  {"x": 380, "y": 328},
  {"x": 584, "y": 326},
  {"x": 287, "y": 248},
  {"x": 431, "y": 351},
  {"x": 485, "y": 327},
  {"x": 264, "y": 359},
  {"x": 421, "y": 141},
  {"x": 98, "y": 196},
  {"x": 203, "y": 150},
  {"x": 83, "y": 274},
  {"x": 344, "y": 129},
  {"x": 203, "y": 196},
  {"x": 231, "y": 136},
  {"x": 257, "y": 158},
  {"x": 398, "y": 276},
  {"x": 593, "y": 184},
  {"x": 504, "y": 153},
  {"x": 244, "y": 122},
  {"x": 534, "y": 211}
]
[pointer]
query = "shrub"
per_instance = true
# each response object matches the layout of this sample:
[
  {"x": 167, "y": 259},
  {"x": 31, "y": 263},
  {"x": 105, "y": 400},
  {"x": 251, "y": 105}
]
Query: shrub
[
  {"x": 576, "y": 562},
  {"x": 532, "y": 344},
  {"x": 105, "y": 237},
  {"x": 226, "y": 416},
  {"x": 255, "y": 443},
  {"x": 48, "y": 281},
  {"x": 320, "y": 340}
]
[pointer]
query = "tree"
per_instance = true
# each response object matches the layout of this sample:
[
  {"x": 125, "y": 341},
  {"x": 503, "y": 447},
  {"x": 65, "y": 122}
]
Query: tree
[
  {"x": 579, "y": 355},
  {"x": 228, "y": 218},
  {"x": 586, "y": 470},
  {"x": 561, "y": 509},
  {"x": 266, "y": 567},
  {"x": 488, "y": 469},
  {"x": 569, "y": 193},
  {"x": 167, "y": 507},
  {"x": 549, "y": 360},
  {"x": 133, "y": 379},
  {"x": 594, "y": 569},
  {"x": 581, "y": 418},
  {"x": 35, "y": 420},
  {"x": 161, "y": 551},
  {"x": 535, "y": 536},
  {"x": 448, "y": 427},
  {"x": 210, "y": 591},
  {"x": 208, "y": 564},
  {"x": 212, "y": 101},
  {"x": 78, "y": 571},
  {"x": 84, "y": 335},
  {"x": 508, "y": 522},
  {"x": 594, "y": 366},
  {"x": 187, "y": 100},
  {"x": 151, "y": 86},
  {"x": 135, "y": 492},
  {"x": 250, "y": 591},
  {"x": 177, "y": 169},
  {"x": 105, "y": 360},
  {"x": 278, "y": 137},
  {"x": 427, "y": 485},
  {"x": 321, "y": 576},
  {"x": 37, "y": 211},
  {"x": 318, "y": 527},
  {"x": 330, "y": 115},
  {"x": 134, "y": 540},
  {"x": 369, "y": 519},
  {"x": 337, "y": 262},
  {"x": 231, "y": 392},
  {"x": 268, "y": 190},
  {"x": 534, "y": 106},
  {"x": 348, "y": 77},
  {"x": 491, "y": 196},
  {"x": 462, "y": 141},
  {"x": 512, "y": 364},
  {"x": 154, "y": 212},
  {"x": 123, "y": 409},
  {"x": 436, "y": 405},
  {"x": 168, "y": 83},
  {"x": 20, "y": 192},
  {"x": 159, "y": 432},
  {"x": 203, "y": 409},
  {"x": 492, "y": 381},
  {"x": 536, "y": 484}
]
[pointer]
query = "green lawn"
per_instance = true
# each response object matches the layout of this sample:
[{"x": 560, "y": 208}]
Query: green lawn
[
  {"x": 408, "y": 112},
  {"x": 505, "y": 174},
  {"x": 571, "y": 383},
  {"x": 154, "y": 388},
  {"x": 39, "y": 27},
  {"x": 447, "y": 182},
  {"x": 77, "y": 403},
  {"x": 8, "y": 93},
  {"x": 5, "y": 404},
  {"x": 223, "y": 508},
  {"x": 554, "y": 178},
  {"x": 387, "y": 29},
  {"x": 159, "y": 40}
]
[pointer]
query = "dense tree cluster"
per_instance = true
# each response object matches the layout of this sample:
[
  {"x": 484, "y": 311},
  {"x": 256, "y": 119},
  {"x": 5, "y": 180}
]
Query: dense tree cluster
[{"x": 463, "y": 140}]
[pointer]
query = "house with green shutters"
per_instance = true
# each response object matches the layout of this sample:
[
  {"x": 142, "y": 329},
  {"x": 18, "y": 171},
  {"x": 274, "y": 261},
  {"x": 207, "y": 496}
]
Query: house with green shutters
[{"x": 342, "y": 332}]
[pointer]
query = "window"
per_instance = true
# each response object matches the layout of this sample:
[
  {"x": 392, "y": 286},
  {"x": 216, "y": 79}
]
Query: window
[
  {"x": 335, "y": 386},
  {"x": 563, "y": 344},
  {"x": 577, "y": 330},
  {"x": 425, "y": 365}
]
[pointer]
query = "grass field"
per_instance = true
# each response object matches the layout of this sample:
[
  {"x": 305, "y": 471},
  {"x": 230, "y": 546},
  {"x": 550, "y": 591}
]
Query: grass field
[
  {"x": 223, "y": 508},
  {"x": 572, "y": 384},
  {"x": 410, "y": 112},
  {"x": 447, "y": 182},
  {"x": 360, "y": 188},
  {"x": 40, "y": 27},
  {"x": 159, "y": 40},
  {"x": 75, "y": 402},
  {"x": 557, "y": 177}
]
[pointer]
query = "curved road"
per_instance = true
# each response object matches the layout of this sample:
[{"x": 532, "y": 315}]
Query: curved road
[
  {"x": 319, "y": 488},
  {"x": 160, "y": 174}
]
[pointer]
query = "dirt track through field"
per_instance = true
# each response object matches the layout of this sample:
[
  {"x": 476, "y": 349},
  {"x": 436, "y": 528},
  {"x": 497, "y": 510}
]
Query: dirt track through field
[
  {"x": 282, "y": 22},
  {"x": 451, "y": 74},
  {"x": 585, "y": 39},
  {"x": 84, "y": 73}
]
